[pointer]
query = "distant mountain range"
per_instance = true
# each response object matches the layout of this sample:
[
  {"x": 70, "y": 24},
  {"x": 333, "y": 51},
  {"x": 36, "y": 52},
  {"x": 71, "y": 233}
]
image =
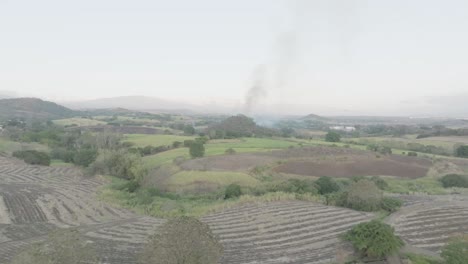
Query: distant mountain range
[
  {"x": 148, "y": 104},
  {"x": 32, "y": 108}
]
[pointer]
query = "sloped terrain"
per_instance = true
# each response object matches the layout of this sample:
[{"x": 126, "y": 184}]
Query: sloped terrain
[
  {"x": 428, "y": 223},
  {"x": 283, "y": 232},
  {"x": 32, "y": 108},
  {"x": 35, "y": 200}
]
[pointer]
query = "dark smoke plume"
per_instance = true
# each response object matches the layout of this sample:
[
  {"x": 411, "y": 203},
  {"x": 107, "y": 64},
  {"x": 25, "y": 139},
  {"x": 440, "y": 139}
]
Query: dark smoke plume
[{"x": 257, "y": 91}]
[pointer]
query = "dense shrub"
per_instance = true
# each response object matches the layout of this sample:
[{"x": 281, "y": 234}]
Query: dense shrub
[
  {"x": 62, "y": 246},
  {"x": 296, "y": 186},
  {"x": 120, "y": 164},
  {"x": 412, "y": 154},
  {"x": 128, "y": 186},
  {"x": 33, "y": 157},
  {"x": 332, "y": 137},
  {"x": 62, "y": 154},
  {"x": 230, "y": 151},
  {"x": 384, "y": 150},
  {"x": 232, "y": 191},
  {"x": 454, "y": 180},
  {"x": 176, "y": 144},
  {"x": 326, "y": 185},
  {"x": 363, "y": 195},
  {"x": 197, "y": 150},
  {"x": 462, "y": 151},
  {"x": 379, "y": 182},
  {"x": 85, "y": 157},
  {"x": 390, "y": 205},
  {"x": 188, "y": 142},
  {"x": 456, "y": 251},
  {"x": 182, "y": 240},
  {"x": 374, "y": 239}
]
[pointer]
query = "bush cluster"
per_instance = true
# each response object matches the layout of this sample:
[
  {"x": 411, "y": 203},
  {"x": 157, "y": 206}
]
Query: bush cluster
[
  {"x": 33, "y": 157},
  {"x": 374, "y": 239},
  {"x": 454, "y": 180}
]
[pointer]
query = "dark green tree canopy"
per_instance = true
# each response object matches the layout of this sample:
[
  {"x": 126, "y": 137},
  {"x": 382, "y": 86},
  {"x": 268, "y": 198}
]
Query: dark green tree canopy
[
  {"x": 374, "y": 239},
  {"x": 183, "y": 240},
  {"x": 333, "y": 137},
  {"x": 197, "y": 149}
]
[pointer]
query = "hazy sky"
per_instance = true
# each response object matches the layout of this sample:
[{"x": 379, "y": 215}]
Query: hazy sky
[{"x": 374, "y": 56}]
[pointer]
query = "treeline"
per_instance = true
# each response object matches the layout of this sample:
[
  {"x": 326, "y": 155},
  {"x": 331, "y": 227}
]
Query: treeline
[
  {"x": 237, "y": 127},
  {"x": 438, "y": 131}
]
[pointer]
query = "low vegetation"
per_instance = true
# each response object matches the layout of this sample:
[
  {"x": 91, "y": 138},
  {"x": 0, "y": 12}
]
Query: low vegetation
[
  {"x": 62, "y": 246},
  {"x": 456, "y": 251},
  {"x": 454, "y": 180},
  {"x": 33, "y": 157},
  {"x": 182, "y": 240},
  {"x": 332, "y": 137},
  {"x": 374, "y": 239}
]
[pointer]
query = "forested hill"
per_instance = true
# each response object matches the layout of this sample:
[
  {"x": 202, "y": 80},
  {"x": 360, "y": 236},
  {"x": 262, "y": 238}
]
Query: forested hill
[{"x": 32, "y": 108}]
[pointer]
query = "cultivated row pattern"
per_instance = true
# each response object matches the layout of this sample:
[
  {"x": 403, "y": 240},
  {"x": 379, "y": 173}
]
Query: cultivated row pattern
[
  {"x": 283, "y": 232},
  {"x": 35, "y": 200},
  {"x": 430, "y": 227}
]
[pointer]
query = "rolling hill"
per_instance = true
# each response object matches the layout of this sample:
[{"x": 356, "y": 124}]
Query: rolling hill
[{"x": 32, "y": 108}]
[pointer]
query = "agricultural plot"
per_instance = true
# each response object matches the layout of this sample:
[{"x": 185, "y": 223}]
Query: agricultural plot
[
  {"x": 78, "y": 122},
  {"x": 317, "y": 161},
  {"x": 154, "y": 140},
  {"x": 35, "y": 200},
  {"x": 358, "y": 166},
  {"x": 206, "y": 181},
  {"x": 284, "y": 232},
  {"x": 428, "y": 223}
]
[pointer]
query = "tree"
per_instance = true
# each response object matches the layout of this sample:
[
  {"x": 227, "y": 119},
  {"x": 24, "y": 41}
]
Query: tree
[
  {"x": 232, "y": 191},
  {"x": 197, "y": 149},
  {"x": 374, "y": 239},
  {"x": 462, "y": 151},
  {"x": 120, "y": 163},
  {"x": 363, "y": 195},
  {"x": 297, "y": 186},
  {"x": 84, "y": 157},
  {"x": 183, "y": 240},
  {"x": 33, "y": 157},
  {"x": 454, "y": 180},
  {"x": 332, "y": 137},
  {"x": 326, "y": 185},
  {"x": 65, "y": 246},
  {"x": 189, "y": 130},
  {"x": 456, "y": 251}
]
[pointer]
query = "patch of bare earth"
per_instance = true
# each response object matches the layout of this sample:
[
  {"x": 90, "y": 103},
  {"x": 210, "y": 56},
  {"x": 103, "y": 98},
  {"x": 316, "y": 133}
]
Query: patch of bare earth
[
  {"x": 247, "y": 161},
  {"x": 358, "y": 165}
]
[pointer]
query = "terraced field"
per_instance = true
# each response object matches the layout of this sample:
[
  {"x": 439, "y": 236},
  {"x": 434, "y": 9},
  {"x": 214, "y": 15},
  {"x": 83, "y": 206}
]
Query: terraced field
[
  {"x": 429, "y": 223},
  {"x": 35, "y": 200},
  {"x": 283, "y": 232}
]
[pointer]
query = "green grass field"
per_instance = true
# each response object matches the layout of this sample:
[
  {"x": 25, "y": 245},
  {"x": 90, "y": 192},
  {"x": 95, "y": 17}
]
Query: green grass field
[
  {"x": 78, "y": 121},
  {"x": 9, "y": 146},
  {"x": 185, "y": 179},
  {"x": 141, "y": 140}
]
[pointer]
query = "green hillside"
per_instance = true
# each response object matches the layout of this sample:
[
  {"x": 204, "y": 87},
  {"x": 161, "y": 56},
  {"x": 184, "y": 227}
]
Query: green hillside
[{"x": 32, "y": 108}]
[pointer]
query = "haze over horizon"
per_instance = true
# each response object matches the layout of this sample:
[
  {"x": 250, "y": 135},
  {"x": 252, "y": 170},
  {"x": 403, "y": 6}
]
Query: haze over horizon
[{"x": 326, "y": 57}]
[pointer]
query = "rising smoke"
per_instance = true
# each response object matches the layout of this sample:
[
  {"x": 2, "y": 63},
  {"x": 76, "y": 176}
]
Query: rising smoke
[{"x": 257, "y": 91}]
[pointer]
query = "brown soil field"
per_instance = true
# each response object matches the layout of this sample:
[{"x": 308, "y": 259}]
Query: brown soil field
[
  {"x": 237, "y": 162},
  {"x": 247, "y": 161},
  {"x": 398, "y": 166}
]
